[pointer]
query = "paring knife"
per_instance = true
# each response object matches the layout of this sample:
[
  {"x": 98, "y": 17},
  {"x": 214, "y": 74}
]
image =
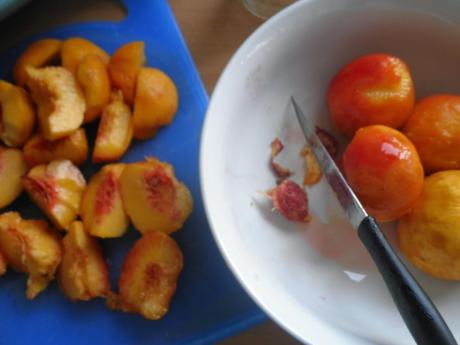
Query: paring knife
[{"x": 417, "y": 310}]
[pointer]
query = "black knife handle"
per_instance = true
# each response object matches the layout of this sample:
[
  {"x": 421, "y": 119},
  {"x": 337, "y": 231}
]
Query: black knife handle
[{"x": 419, "y": 313}]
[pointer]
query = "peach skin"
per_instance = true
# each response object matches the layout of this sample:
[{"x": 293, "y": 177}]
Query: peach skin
[
  {"x": 61, "y": 105},
  {"x": 153, "y": 198},
  {"x": 102, "y": 209},
  {"x": 41, "y": 53},
  {"x": 57, "y": 189},
  {"x": 155, "y": 104},
  {"x": 375, "y": 89},
  {"x": 124, "y": 66},
  {"x": 74, "y": 147},
  {"x": 12, "y": 168},
  {"x": 149, "y": 274},
  {"x": 83, "y": 273},
  {"x": 434, "y": 128},
  {"x": 93, "y": 78},
  {"x": 74, "y": 50},
  {"x": 32, "y": 247},
  {"x": 115, "y": 131},
  {"x": 17, "y": 115},
  {"x": 384, "y": 169}
]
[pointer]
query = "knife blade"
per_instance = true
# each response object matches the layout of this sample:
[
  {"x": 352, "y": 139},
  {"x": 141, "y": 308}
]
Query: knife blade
[{"x": 420, "y": 315}]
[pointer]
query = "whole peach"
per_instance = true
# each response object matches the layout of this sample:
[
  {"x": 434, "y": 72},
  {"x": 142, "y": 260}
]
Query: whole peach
[
  {"x": 434, "y": 128},
  {"x": 374, "y": 89},
  {"x": 384, "y": 169}
]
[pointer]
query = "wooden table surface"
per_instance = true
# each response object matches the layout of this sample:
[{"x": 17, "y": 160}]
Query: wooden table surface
[{"x": 213, "y": 30}]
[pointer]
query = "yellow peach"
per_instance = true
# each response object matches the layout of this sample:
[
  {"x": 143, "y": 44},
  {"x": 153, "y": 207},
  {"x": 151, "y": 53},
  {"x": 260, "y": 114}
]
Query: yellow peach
[
  {"x": 17, "y": 116},
  {"x": 61, "y": 105},
  {"x": 155, "y": 104},
  {"x": 74, "y": 147},
  {"x": 12, "y": 168},
  {"x": 39, "y": 54},
  {"x": 124, "y": 66},
  {"x": 93, "y": 78},
  {"x": 102, "y": 208},
  {"x": 83, "y": 273},
  {"x": 115, "y": 131},
  {"x": 74, "y": 49}
]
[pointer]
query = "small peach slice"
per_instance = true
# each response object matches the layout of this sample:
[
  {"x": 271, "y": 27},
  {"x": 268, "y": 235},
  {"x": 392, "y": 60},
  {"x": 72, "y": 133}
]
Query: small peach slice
[
  {"x": 39, "y": 54},
  {"x": 149, "y": 275},
  {"x": 124, "y": 66},
  {"x": 57, "y": 189},
  {"x": 17, "y": 115},
  {"x": 93, "y": 78},
  {"x": 74, "y": 147},
  {"x": 102, "y": 208},
  {"x": 155, "y": 104},
  {"x": 30, "y": 246},
  {"x": 153, "y": 198},
  {"x": 115, "y": 131},
  {"x": 61, "y": 105},
  {"x": 74, "y": 50},
  {"x": 83, "y": 273},
  {"x": 12, "y": 168}
]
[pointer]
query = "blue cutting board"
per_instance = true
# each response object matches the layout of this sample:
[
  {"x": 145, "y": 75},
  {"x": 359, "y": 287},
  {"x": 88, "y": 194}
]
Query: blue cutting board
[{"x": 209, "y": 304}]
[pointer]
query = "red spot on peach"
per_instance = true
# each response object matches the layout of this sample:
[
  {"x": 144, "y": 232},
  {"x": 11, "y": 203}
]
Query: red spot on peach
[
  {"x": 291, "y": 201},
  {"x": 105, "y": 196},
  {"x": 44, "y": 189},
  {"x": 161, "y": 191}
]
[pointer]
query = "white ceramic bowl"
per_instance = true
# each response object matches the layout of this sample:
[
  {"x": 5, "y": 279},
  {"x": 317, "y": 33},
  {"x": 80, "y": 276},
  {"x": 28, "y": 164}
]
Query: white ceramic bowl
[{"x": 315, "y": 280}]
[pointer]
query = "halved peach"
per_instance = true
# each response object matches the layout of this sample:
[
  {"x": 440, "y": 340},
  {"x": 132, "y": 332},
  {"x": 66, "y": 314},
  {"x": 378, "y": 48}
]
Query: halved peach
[
  {"x": 61, "y": 105},
  {"x": 39, "y": 54},
  {"x": 149, "y": 274},
  {"x": 93, "y": 78},
  {"x": 83, "y": 273},
  {"x": 74, "y": 147},
  {"x": 153, "y": 198},
  {"x": 12, "y": 168},
  {"x": 102, "y": 208},
  {"x": 124, "y": 66},
  {"x": 17, "y": 115},
  {"x": 115, "y": 131},
  {"x": 155, "y": 104},
  {"x": 30, "y": 246},
  {"x": 74, "y": 49},
  {"x": 57, "y": 189}
]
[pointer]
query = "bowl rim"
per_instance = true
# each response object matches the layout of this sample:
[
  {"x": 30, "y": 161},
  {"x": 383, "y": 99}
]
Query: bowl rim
[{"x": 322, "y": 332}]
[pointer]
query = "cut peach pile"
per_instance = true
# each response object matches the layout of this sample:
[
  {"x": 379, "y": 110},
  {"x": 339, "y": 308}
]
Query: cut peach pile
[{"x": 63, "y": 85}]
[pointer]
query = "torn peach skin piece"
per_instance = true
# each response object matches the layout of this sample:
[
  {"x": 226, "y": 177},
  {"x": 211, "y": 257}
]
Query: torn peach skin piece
[
  {"x": 291, "y": 201},
  {"x": 280, "y": 171}
]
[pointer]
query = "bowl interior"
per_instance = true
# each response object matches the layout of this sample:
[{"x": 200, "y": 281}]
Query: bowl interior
[{"x": 316, "y": 279}]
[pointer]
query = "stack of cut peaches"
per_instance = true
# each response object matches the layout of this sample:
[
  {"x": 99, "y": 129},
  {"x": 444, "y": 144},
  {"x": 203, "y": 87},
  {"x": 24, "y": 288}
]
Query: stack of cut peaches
[
  {"x": 403, "y": 160},
  {"x": 59, "y": 87}
]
